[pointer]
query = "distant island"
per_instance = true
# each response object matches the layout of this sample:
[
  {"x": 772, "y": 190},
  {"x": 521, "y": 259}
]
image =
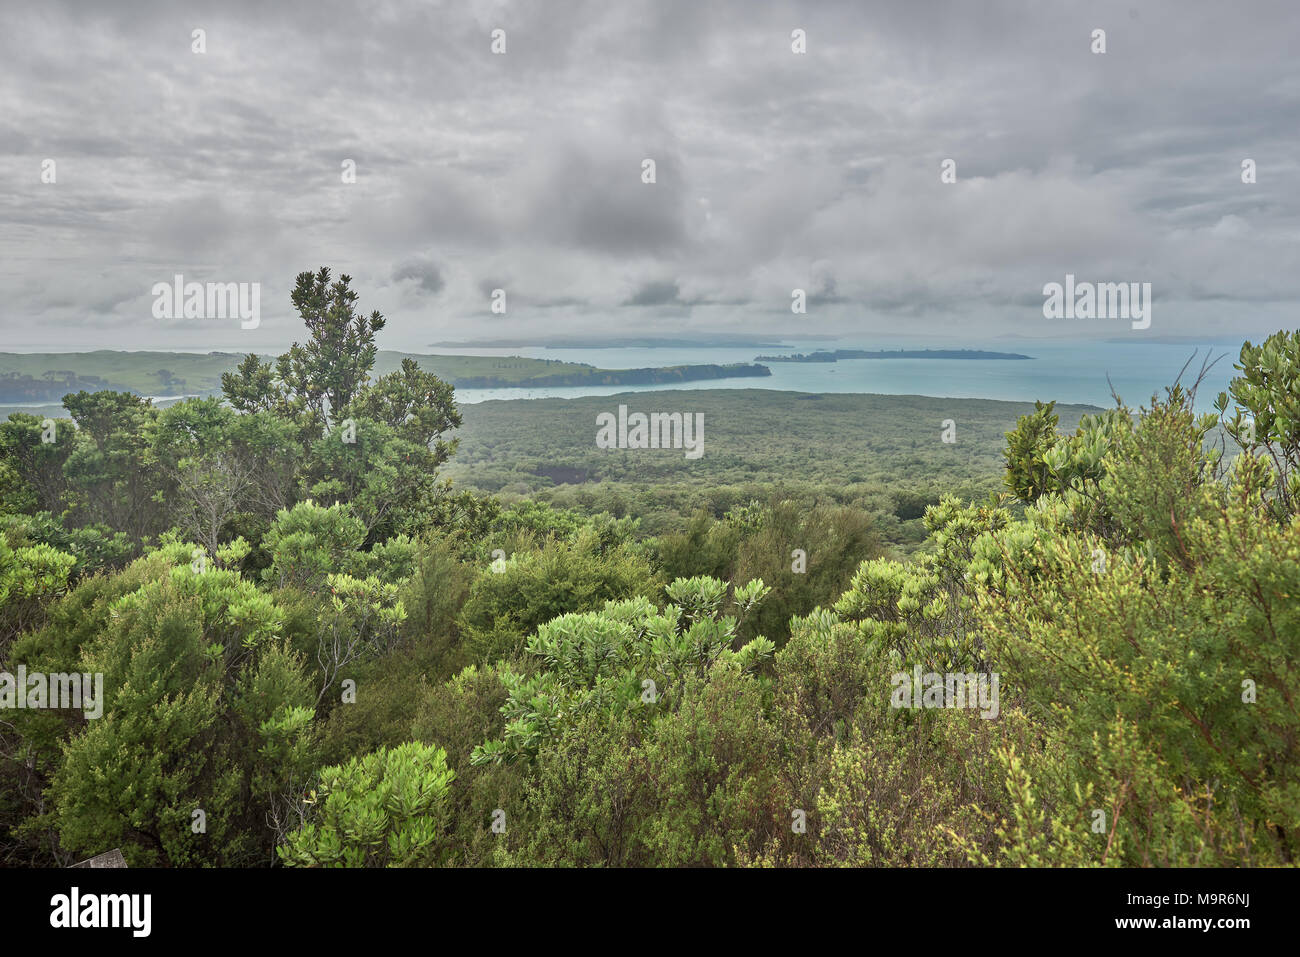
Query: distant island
[{"x": 822, "y": 355}]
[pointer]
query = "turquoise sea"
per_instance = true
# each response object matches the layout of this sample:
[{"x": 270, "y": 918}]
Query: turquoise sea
[{"x": 1069, "y": 372}]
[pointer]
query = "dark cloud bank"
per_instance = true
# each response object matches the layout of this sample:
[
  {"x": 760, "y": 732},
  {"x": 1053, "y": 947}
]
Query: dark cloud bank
[{"x": 524, "y": 171}]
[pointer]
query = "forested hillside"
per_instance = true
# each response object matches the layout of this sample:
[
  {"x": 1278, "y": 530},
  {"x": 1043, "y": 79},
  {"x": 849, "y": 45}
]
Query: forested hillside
[
  {"x": 884, "y": 455},
  {"x": 309, "y": 649},
  {"x": 38, "y": 379}
]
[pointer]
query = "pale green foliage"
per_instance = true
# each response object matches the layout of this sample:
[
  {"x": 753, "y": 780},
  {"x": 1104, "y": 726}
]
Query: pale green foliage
[
  {"x": 95, "y": 547},
  {"x": 233, "y": 552},
  {"x": 393, "y": 561},
  {"x": 1133, "y": 645},
  {"x": 386, "y": 809},
  {"x": 309, "y": 541},
  {"x": 30, "y": 576},
  {"x": 1041, "y": 460},
  {"x": 601, "y": 661},
  {"x": 1266, "y": 419},
  {"x": 922, "y": 611},
  {"x": 885, "y": 802},
  {"x": 33, "y": 571}
]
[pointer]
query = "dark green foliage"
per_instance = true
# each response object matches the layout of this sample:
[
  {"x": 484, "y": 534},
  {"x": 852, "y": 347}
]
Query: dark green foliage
[
  {"x": 107, "y": 470},
  {"x": 93, "y": 547},
  {"x": 533, "y": 587},
  {"x": 324, "y": 375},
  {"x": 863, "y": 451},
  {"x": 1028, "y": 476},
  {"x": 341, "y": 660},
  {"x": 827, "y": 542},
  {"x": 34, "y": 478},
  {"x": 433, "y": 596},
  {"x": 192, "y": 660}
]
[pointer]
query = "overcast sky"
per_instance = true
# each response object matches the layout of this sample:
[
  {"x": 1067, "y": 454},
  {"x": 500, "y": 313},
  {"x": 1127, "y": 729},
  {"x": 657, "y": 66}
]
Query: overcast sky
[{"x": 523, "y": 171}]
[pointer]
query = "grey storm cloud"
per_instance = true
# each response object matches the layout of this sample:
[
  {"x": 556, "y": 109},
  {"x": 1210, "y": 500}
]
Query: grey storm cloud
[
  {"x": 654, "y": 294},
  {"x": 774, "y": 170},
  {"x": 425, "y": 272}
]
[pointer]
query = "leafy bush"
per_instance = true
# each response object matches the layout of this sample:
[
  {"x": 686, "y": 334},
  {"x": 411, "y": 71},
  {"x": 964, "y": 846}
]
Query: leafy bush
[
  {"x": 192, "y": 662},
  {"x": 628, "y": 655},
  {"x": 386, "y": 809},
  {"x": 1163, "y": 673},
  {"x": 515, "y": 597},
  {"x": 308, "y": 542}
]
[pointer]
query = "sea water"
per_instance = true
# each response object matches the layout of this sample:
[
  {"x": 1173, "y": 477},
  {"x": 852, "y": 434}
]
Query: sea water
[{"x": 1069, "y": 372}]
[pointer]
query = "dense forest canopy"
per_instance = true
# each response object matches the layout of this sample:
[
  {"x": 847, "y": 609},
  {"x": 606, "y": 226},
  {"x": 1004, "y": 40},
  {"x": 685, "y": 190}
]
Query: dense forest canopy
[{"x": 315, "y": 650}]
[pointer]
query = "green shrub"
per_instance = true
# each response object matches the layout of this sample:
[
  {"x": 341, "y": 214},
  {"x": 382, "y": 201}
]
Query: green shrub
[
  {"x": 509, "y": 602},
  {"x": 386, "y": 809}
]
